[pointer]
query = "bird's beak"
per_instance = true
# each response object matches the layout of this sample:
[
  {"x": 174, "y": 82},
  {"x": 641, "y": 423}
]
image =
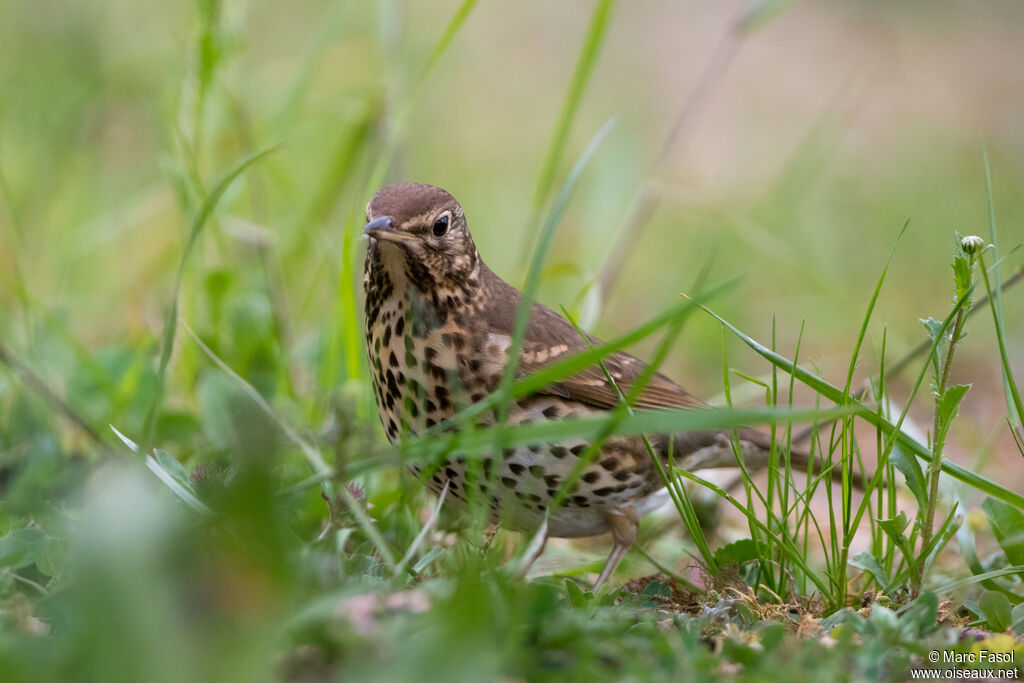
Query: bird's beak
[{"x": 382, "y": 229}]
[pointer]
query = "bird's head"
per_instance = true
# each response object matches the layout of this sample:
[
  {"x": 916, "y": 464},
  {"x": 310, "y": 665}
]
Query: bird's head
[{"x": 426, "y": 226}]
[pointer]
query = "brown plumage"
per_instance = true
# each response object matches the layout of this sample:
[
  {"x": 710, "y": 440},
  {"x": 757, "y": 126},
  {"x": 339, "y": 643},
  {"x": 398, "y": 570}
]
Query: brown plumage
[{"x": 438, "y": 328}]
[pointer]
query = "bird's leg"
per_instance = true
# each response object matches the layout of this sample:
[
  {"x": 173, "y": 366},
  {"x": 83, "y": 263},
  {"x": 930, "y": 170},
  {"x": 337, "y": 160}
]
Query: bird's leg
[
  {"x": 624, "y": 524},
  {"x": 534, "y": 551}
]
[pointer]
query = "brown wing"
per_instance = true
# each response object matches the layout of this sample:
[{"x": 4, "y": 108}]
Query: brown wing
[{"x": 551, "y": 338}]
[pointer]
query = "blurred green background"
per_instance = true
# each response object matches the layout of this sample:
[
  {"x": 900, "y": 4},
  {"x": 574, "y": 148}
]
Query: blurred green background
[{"x": 832, "y": 125}]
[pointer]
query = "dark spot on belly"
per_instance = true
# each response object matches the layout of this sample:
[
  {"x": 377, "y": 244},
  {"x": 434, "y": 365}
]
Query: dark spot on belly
[
  {"x": 516, "y": 468},
  {"x": 411, "y": 407},
  {"x": 591, "y": 477}
]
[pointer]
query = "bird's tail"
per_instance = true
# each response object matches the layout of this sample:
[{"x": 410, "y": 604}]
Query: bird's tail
[{"x": 715, "y": 449}]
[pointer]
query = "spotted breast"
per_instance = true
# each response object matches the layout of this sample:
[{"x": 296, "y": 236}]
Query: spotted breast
[{"x": 438, "y": 330}]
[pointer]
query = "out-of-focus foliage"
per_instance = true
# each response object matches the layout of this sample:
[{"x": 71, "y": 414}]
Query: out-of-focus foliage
[{"x": 229, "y": 557}]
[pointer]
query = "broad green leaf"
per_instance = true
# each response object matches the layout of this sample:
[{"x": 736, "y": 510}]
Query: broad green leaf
[
  {"x": 951, "y": 586},
  {"x": 965, "y": 539},
  {"x": 771, "y": 636},
  {"x": 948, "y": 407},
  {"x": 911, "y": 470},
  {"x": 22, "y": 547},
  {"x": 934, "y": 328},
  {"x": 883, "y": 617},
  {"x": 173, "y": 467},
  {"x": 921, "y": 614},
  {"x": 961, "y": 266},
  {"x": 895, "y": 526},
  {"x": 995, "y": 608},
  {"x": 182, "y": 490},
  {"x": 51, "y": 559},
  {"x": 1008, "y": 525},
  {"x": 737, "y": 552},
  {"x": 843, "y": 616},
  {"x": 576, "y": 595},
  {"x": 869, "y": 563},
  {"x": 427, "y": 558},
  {"x": 1017, "y": 619}
]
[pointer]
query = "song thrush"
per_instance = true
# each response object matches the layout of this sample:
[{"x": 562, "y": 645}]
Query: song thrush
[{"x": 438, "y": 329}]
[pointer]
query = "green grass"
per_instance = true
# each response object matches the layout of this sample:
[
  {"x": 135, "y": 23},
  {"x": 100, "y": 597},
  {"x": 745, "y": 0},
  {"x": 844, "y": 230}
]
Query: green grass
[{"x": 193, "y": 481}]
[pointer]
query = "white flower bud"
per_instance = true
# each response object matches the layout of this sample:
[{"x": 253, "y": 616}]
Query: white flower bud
[{"x": 972, "y": 244}]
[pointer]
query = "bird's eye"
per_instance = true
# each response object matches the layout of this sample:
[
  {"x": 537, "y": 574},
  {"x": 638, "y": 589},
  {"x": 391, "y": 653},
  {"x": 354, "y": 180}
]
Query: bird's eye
[{"x": 441, "y": 225}]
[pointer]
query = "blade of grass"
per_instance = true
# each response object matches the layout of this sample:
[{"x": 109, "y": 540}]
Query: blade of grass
[
  {"x": 588, "y": 428},
  {"x": 547, "y": 236},
  {"x": 950, "y": 586},
  {"x": 745, "y": 24},
  {"x": 313, "y": 456},
  {"x": 849, "y": 531},
  {"x": 679, "y": 497},
  {"x": 907, "y": 358},
  {"x": 166, "y": 477},
  {"x": 794, "y": 553},
  {"x": 834, "y": 394},
  {"x": 171, "y": 319},
  {"x": 347, "y": 328},
  {"x": 995, "y": 300},
  {"x": 589, "y": 52},
  {"x": 422, "y": 535},
  {"x": 569, "y": 366},
  {"x": 38, "y": 386}
]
